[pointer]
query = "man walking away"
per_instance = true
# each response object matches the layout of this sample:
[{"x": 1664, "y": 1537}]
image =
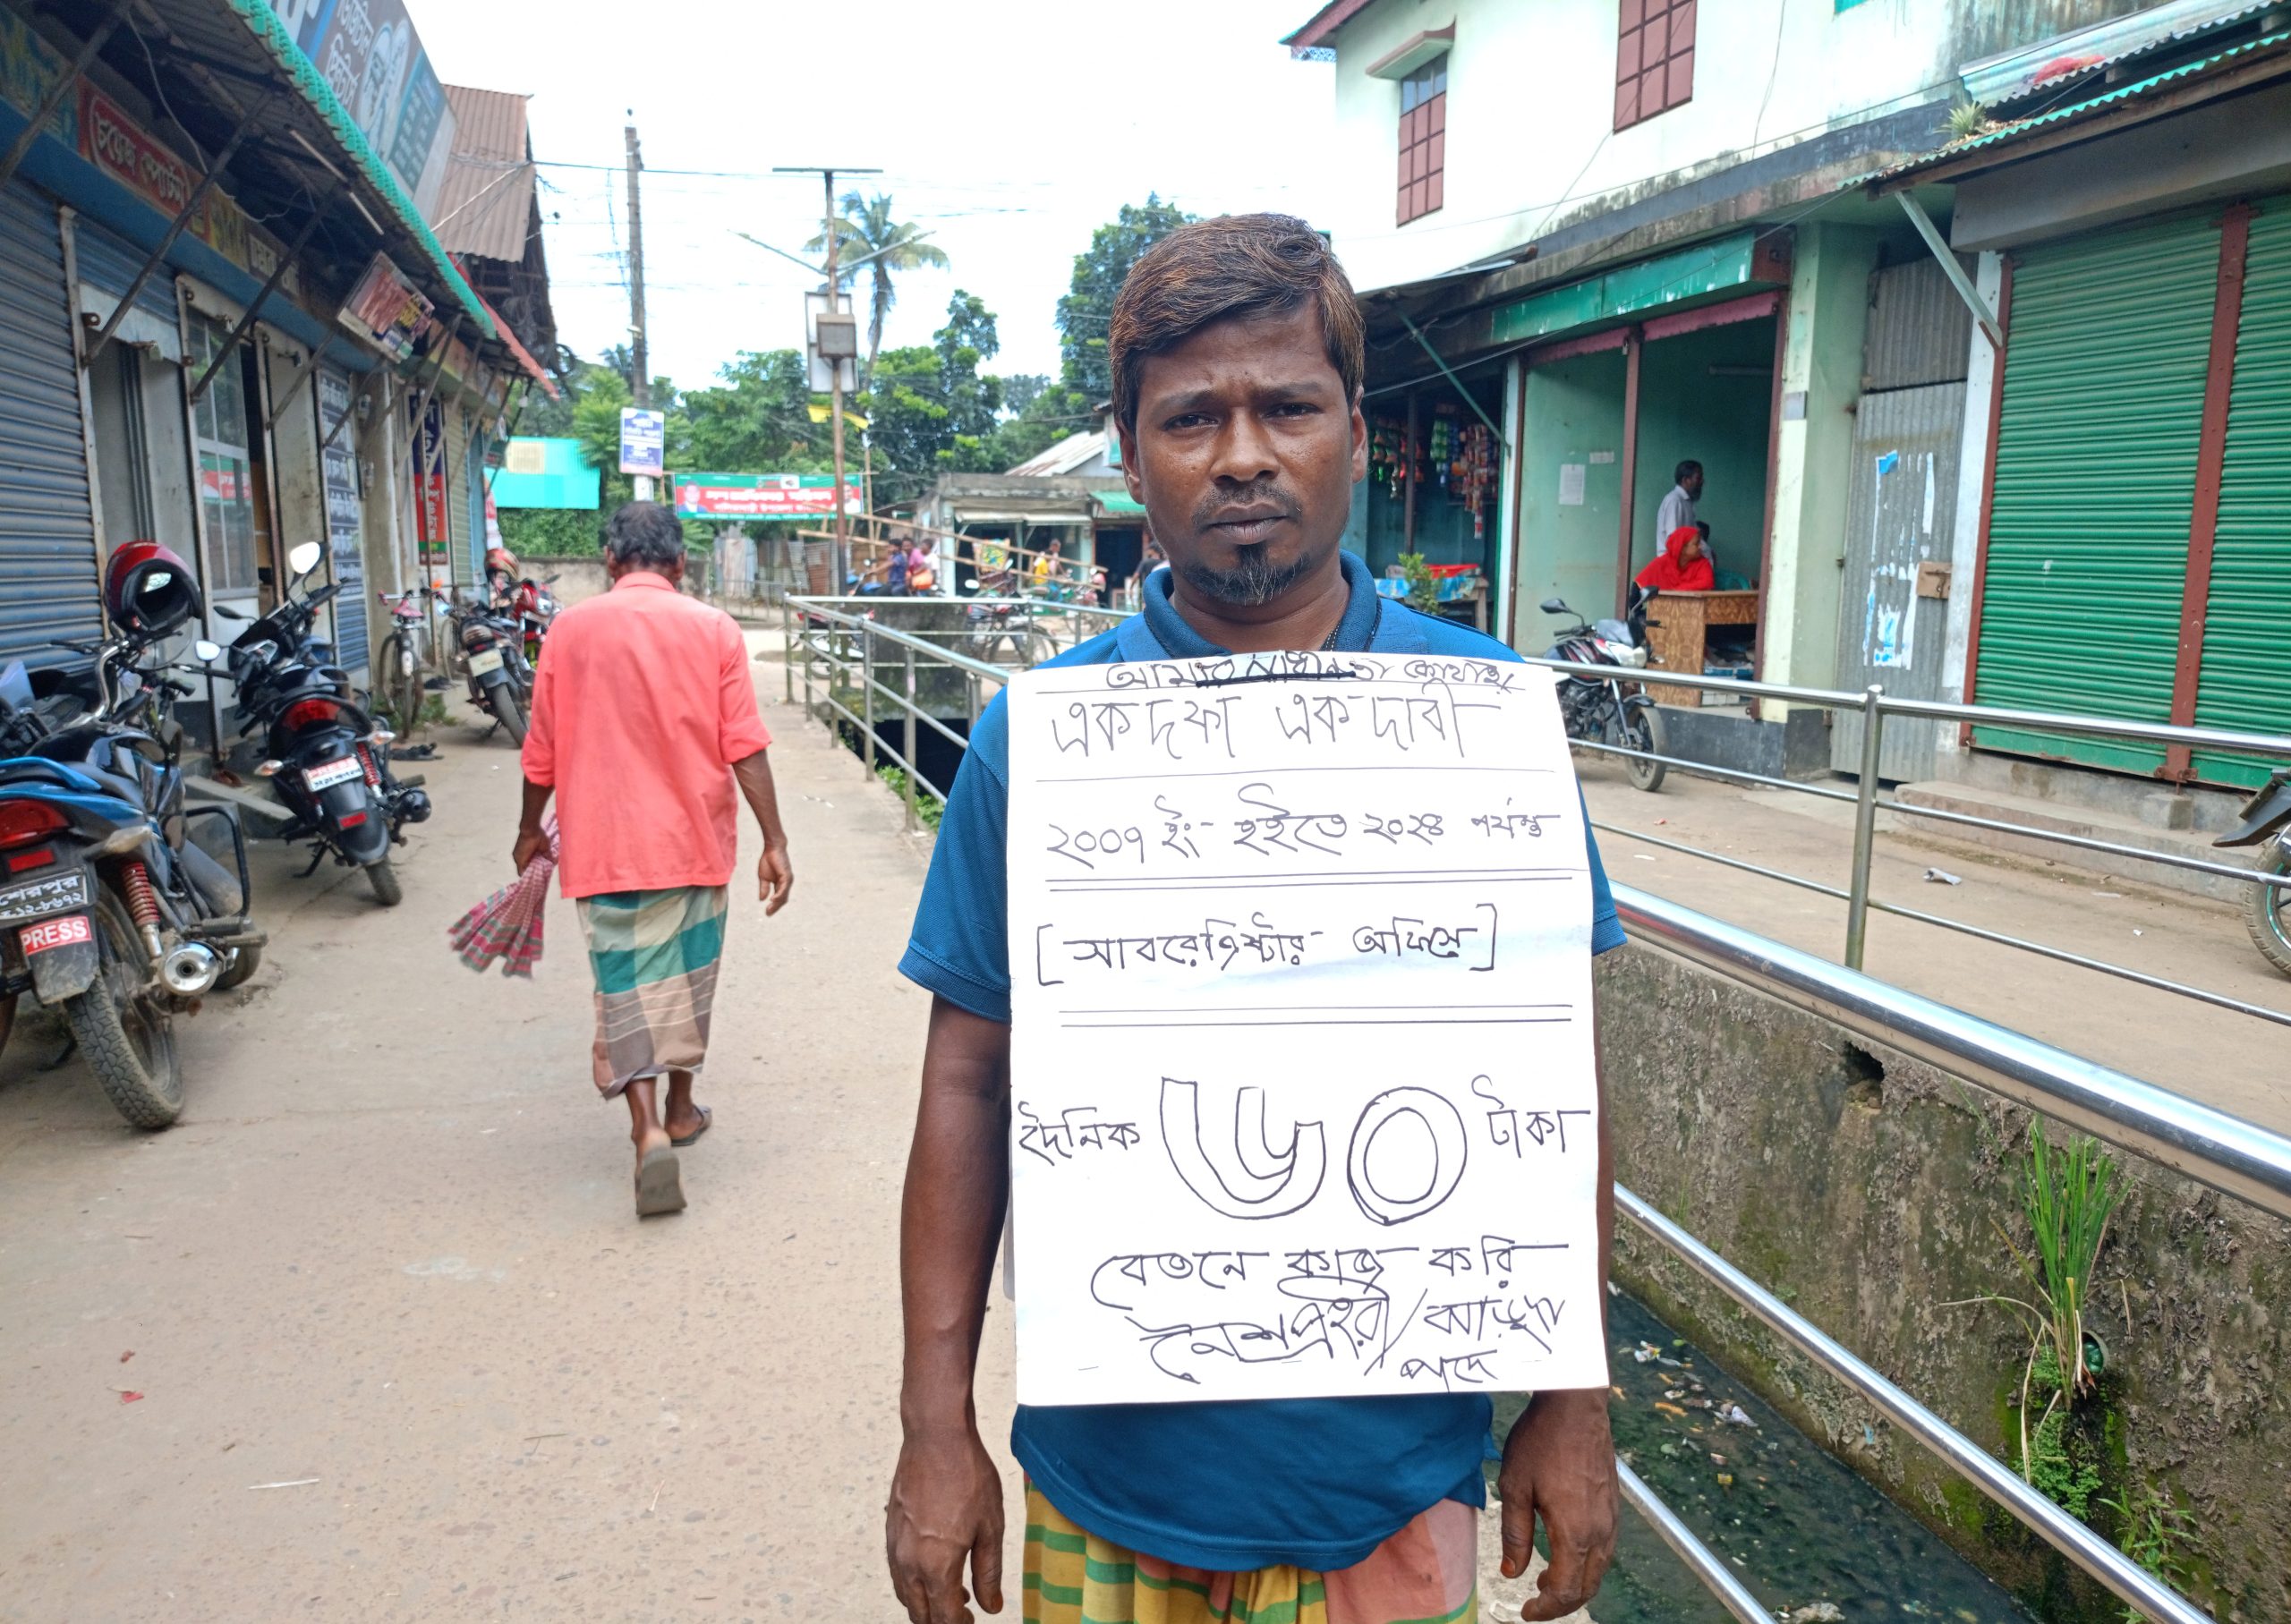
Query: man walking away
[
  {"x": 1677, "y": 511},
  {"x": 643, "y": 718}
]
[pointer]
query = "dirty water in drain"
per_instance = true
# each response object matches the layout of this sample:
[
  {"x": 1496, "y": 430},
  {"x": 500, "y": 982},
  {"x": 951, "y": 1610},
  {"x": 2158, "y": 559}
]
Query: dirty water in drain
[{"x": 1806, "y": 1534}]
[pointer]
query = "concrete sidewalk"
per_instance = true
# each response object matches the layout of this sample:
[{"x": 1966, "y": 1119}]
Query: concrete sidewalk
[{"x": 2234, "y": 1061}]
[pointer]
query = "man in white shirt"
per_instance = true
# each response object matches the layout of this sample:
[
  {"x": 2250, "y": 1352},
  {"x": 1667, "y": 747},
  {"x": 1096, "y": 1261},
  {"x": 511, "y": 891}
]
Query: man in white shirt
[{"x": 1678, "y": 507}]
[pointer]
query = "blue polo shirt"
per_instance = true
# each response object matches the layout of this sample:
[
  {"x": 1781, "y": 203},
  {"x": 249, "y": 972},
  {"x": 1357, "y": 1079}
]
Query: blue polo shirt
[{"x": 1237, "y": 1485}]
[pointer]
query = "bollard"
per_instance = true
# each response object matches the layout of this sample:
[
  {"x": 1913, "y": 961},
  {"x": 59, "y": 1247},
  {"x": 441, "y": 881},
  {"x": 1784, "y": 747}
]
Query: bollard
[
  {"x": 1865, "y": 826},
  {"x": 913, "y": 772}
]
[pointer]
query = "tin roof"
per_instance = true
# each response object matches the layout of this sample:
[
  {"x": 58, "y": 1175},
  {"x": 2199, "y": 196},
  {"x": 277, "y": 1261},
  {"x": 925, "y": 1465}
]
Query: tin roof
[
  {"x": 2004, "y": 135},
  {"x": 2087, "y": 52},
  {"x": 485, "y": 203},
  {"x": 1073, "y": 451}
]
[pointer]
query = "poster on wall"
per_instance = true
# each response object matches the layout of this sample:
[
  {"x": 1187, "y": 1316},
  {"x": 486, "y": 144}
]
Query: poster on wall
[
  {"x": 431, "y": 526},
  {"x": 370, "y": 57},
  {"x": 1303, "y": 1096},
  {"x": 386, "y": 309},
  {"x": 338, "y": 470}
]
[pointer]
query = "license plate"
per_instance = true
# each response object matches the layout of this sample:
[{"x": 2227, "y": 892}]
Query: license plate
[
  {"x": 50, "y": 896},
  {"x": 332, "y": 772},
  {"x": 487, "y": 659},
  {"x": 55, "y": 933}
]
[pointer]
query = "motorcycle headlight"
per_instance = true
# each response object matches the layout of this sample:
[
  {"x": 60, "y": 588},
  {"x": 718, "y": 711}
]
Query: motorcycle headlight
[{"x": 1623, "y": 654}]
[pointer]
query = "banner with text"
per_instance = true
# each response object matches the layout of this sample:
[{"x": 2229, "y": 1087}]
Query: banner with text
[
  {"x": 761, "y": 495},
  {"x": 1304, "y": 1097}
]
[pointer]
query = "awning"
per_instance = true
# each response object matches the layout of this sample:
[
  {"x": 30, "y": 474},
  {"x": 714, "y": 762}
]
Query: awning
[
  {"x": 508, "y": 338},
  {"x": 964, "y": 514},
  {"x": 1115, "y": 503}
]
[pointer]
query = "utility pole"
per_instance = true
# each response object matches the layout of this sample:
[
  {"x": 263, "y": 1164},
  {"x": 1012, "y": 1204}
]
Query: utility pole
[
  {"x": 835, "y": 367},
  {"x": 641, "y": 383}
]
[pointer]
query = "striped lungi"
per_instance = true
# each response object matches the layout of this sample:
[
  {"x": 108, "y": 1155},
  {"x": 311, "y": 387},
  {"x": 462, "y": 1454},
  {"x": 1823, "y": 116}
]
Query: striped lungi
[
  {"x": 654, "y": 956},
  {"x": 1428, "y": 1573}
]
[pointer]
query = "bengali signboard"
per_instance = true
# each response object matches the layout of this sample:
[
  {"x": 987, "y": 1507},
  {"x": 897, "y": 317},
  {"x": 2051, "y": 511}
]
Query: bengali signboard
[
  {"x": 370, "y": 57},
  {"x": 429, "y": 517},
  {"x": 339, "y": 472},
  {"x": 386, "y": 309},
  {"x": 1303, "y": 1096},
  {"x": 761, "y": 495},
  {"x": 644, "y": 441}
]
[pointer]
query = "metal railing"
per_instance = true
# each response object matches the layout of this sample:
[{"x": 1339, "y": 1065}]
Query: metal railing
[
  {"x": 2229, "y": 1154},
  {"x": 1874, "y": 706}
]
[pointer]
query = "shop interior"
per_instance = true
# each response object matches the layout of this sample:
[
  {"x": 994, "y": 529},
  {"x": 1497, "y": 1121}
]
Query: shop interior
[{"x": 1434, "y": 470}]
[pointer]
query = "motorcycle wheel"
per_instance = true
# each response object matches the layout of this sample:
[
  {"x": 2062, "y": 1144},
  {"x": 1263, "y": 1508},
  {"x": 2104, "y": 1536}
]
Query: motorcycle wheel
[
  {"x": 242, "y": 970},
  {"x": 1640, "y": 729},
  {"x": 127, "y": 1036},
  {"x": 510, "y": 714},
  {"x": 2269, "y": 911},
  {"x": 383, "y": 878}
]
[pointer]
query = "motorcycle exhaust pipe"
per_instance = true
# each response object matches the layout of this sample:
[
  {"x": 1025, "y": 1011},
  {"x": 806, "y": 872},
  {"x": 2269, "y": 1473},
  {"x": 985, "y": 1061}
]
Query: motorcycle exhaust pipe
[{"x": 190, "y": 969}]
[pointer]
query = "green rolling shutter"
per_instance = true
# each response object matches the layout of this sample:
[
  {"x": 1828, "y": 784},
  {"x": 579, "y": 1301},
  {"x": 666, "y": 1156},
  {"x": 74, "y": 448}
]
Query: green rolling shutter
[
  {"x": 2095, "y": 482},
  {"x": 2247, "y": 677}
]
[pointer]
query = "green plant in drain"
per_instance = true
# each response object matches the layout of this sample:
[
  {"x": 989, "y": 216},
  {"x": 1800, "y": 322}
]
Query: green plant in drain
[
  {"x": 2156, "y": 1534},
  {"x": 2068, "y": 1195}
]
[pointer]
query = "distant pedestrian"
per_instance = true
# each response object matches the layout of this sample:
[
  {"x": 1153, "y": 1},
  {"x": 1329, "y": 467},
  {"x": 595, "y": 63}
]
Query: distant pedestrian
[
  {"x": 643, "y": 718},
  {"x": 1677, "y": 507}
]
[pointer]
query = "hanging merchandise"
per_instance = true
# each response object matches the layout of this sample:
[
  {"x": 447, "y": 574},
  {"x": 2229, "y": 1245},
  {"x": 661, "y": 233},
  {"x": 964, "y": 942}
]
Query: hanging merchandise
[
  {"x": 1388, "y": 453},
  {"x": 1474, "y": 475},
  {"x": 1443, "y": 440}
]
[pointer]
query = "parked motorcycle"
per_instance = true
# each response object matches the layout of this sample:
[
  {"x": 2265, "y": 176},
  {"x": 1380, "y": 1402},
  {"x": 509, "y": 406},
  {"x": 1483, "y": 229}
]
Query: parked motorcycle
[
  {"x": 109, "y": 910},
  {"x": 1613, "y": 710},
  {"x": 326, "y": 758},
  {"x": 500, "y": 679},
  {"x": 536, "y": 607},
  {"x": 2267, "y": 818}
]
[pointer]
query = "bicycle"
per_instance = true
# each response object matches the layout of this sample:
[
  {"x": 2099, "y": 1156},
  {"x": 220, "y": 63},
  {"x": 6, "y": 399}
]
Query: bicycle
[{"x": 406, "y": 654}]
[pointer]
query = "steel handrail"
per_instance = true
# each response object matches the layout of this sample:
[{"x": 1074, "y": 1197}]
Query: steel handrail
[
  {"x": 1701, "y": 1561},
  {"x": 2233, "y": 1156},
  {"x": 2087, "y": 1550}
]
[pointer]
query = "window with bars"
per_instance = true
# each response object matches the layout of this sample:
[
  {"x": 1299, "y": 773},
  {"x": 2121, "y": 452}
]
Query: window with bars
[
  {"x": 1654, "y": 63},
  {"x": 1423, "y": 139}
]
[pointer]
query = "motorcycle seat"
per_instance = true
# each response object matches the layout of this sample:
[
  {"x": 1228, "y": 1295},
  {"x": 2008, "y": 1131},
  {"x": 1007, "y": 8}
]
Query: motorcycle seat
[{"x": 25, "y": 768}]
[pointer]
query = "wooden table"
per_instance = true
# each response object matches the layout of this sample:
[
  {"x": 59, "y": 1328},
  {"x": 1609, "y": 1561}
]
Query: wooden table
[{"x": 1677, "y": 641}]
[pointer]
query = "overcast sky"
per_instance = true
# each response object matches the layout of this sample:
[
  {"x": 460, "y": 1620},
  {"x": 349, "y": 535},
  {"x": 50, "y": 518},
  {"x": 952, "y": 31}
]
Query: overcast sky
[{"x": 1009, "y": 129}]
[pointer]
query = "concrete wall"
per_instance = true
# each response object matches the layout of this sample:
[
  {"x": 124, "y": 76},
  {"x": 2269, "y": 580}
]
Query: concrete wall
[
  {"x": 1531, "y": 143},
  {"x": 1574, "y": 413},
  {"x": 1867, "y": 1190}
]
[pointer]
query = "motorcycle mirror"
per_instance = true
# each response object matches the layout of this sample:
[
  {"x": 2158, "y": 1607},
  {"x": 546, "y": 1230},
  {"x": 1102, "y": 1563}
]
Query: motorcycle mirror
[
  {"x": 304, "y": 559},
  {"x": 1555, "y": 606},
  {"x": 207, "y": 652},
  {"x": 229, "y": 612}
]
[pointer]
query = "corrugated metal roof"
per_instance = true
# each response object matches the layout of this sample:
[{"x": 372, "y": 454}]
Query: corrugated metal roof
[
  {"x": 2019, "y": 128},
  {"x": 1314, "y": 35},
  {"x": 271, "y": 34},
  {"x": 1066, "y": 456},
  {"x": 2057, "y": 62},
  {"x": 485, "y": 205}
]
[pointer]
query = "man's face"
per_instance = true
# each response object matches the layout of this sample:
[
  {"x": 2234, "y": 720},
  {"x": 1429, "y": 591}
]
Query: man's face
[
  {"x": 1692, "y": 484},
  {"x": 1245, "y": 453}
]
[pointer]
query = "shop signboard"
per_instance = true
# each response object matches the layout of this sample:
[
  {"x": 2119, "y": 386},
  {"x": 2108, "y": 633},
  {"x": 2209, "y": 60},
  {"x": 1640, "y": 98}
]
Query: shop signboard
[
  {"x": 761, "y": 495},
  {"x": 370, "y": 57},
  {"x": 644, "y": 441},
  {"x": 429, "y": 504},
  {"x": 386, "y": 309},
  {"x": 339, "y": 473}
]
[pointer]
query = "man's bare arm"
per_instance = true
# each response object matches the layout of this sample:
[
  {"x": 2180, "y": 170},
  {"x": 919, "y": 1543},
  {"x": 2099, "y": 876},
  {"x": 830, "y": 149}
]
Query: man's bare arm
[
  {"x": 946, "y": 1500},
  {"x": 775, "y": 876},
  {"x": 532, "y": 841}
]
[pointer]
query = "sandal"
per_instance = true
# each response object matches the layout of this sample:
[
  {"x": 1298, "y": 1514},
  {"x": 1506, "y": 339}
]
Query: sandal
[
  {"x": 660, "y": 1189},
  {"x": 706, "y": 1118}
]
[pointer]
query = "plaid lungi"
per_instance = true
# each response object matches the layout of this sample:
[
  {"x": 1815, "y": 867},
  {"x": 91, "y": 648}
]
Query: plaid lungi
[
  {"x": 654, "y": 956},
  {"x": 1428, "y": 1573}
]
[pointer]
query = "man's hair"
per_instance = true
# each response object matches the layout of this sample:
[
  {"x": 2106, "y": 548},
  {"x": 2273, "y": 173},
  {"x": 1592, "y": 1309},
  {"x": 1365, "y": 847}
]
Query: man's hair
[
  {"x": 1679, "y": 474},
  {"x": 1230, "y": 270},
  {"x": 644, "y": 534}
]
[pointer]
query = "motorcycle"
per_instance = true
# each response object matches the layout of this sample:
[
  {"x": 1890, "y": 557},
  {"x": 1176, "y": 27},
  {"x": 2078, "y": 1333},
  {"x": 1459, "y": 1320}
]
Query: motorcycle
[
  {"x": 2267, "y": 818},
  {"x": 536, "y": 607},
  {"x": 326, "y": 758},
  {"x": 500, "y": 679},
  {"x": 109, "y": 913},
  {"x": 1613, "y": 710}
]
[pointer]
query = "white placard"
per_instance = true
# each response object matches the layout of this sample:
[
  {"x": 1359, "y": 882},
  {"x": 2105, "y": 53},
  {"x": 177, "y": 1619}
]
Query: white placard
[
  {"x": 1303, "y": 1090},
  {"x": 1571, "y": 484}
]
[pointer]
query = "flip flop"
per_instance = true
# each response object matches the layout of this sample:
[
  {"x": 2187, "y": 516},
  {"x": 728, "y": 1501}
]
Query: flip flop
[
  {"x": 706, "y": 1118},
  {"x": 658, "y": 1188}
]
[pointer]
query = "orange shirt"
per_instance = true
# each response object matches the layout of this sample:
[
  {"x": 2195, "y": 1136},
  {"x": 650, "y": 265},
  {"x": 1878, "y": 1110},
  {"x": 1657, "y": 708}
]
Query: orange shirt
[{"x": 641, "y": 705}]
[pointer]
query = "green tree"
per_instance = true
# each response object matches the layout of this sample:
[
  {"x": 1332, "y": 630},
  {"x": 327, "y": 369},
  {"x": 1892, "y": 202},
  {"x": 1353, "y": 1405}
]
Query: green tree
[
  {"x": 866, "y": 228},
  {"x": 932, "y": 409},
  {"x": 757, "y": 420},
  {"x": 1099, "y": 272}
]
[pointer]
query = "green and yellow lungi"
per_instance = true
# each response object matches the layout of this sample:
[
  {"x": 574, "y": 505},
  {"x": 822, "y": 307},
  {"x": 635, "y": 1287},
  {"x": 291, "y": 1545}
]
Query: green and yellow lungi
[
  {"x": 1425, "y": 1573},
  {"x": 654, "y": 955}
]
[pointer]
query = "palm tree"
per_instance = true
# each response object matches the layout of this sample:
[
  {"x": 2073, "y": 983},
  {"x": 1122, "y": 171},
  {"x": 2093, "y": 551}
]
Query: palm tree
[{"x": 866, "y": 229}]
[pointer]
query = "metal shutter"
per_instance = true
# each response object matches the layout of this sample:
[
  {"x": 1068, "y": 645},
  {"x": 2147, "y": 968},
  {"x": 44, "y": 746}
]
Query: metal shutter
[
  {"x": 47, "y": 530},
  {"x": 2095, "y": 482},
  {"x": 107, "y": 262},
  {"x": 2247, "y": 677}
]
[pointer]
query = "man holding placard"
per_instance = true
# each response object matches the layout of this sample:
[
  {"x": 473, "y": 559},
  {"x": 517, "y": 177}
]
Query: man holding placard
[{"x": 1259, "y": 930}]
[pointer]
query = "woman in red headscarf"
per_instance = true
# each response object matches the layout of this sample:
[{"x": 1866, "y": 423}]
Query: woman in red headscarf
[{"x": 1684, "y": 564}]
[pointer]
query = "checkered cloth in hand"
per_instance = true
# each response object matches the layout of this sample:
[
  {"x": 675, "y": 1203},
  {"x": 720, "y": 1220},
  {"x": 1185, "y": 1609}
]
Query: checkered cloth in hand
[{"x": 507, "y": 925}]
